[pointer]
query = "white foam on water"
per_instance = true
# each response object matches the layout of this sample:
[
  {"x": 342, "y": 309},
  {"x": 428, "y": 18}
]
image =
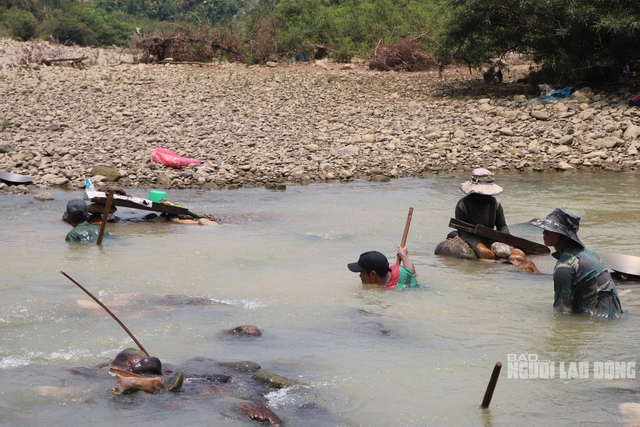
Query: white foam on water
[
  {"x": 68, "y": 354},
  {"x": 279, "y": 398},
  {"x": 14, "y": 362},
  {"x": 246, "y": 304}
]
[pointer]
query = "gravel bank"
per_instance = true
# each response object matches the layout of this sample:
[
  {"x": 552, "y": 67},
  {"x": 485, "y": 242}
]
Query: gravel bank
[{"x": 287, "y": 123}]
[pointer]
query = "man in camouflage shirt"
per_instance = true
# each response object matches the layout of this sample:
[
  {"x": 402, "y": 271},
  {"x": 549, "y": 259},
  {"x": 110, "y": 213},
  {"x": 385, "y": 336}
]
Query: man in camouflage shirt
[
  {"x": 77, "y": 216},
  {"x": 581, "y": 282}
]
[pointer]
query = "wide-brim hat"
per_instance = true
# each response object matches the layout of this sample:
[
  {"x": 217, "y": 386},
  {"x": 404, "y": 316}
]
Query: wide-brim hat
[
  {"x": 562, "y": 222},
  {"x": 481, "y": 182}
]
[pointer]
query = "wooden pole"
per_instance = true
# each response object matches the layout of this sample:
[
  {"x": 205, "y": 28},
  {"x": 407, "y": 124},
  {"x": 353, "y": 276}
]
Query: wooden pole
[
  {"x": 492, "y": 385},
  {"x": 405, "y": 234},
  {"x": 105, "y": 216},
  {"x": 108, "y": 311}
]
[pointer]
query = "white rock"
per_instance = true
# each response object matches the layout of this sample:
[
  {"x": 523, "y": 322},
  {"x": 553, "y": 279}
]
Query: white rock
[
  {"x": 459, "y": 133},
  {"x": 43, "y": 196},
  {"x": 539, "y": 115},
  {"x": 564, "y": 166},
  {"x": 369, "y": 138},
  {"x": 631, "y": 132},
  {"x": 607, "y": 142}
]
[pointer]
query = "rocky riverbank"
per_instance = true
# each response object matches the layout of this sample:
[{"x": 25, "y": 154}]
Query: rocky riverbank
[{"x": 286, "y": 123}]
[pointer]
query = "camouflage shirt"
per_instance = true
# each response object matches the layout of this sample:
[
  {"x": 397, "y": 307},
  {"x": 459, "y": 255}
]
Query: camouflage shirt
[
  {"x": 84, "y": 233},
  {"x": 582, "y": 284}
]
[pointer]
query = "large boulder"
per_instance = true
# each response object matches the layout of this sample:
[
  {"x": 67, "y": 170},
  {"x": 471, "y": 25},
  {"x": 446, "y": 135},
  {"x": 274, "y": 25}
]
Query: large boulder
[
  {"x": 111, "y": 174},
  {"x": 456, "y": 248}
]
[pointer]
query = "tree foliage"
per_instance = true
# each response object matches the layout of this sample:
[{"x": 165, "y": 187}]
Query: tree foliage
[
  {"x": 21, "y": 23},
  {"x": 571, "y": 39},
  {"x": 356, "y": 25}
]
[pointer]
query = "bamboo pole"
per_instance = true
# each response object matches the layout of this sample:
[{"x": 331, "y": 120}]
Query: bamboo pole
[
  {"x": 105, "y": 216},
  {"x": 108, "y": 311},
  {"x": 403, "y": 243}
]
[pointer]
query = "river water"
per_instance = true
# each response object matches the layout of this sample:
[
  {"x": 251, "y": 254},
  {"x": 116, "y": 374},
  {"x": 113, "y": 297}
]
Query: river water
[{"x": 371, "y": 358}]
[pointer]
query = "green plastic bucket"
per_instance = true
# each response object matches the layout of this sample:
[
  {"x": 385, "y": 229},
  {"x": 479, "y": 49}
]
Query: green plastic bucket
[{"x": 157, "y": 195}]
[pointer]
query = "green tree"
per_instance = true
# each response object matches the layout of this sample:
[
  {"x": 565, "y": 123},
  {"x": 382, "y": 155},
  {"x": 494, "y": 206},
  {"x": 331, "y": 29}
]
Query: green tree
[
  {"x": 572, "y": 39},
  {"x": 161, "y": 10},
  {"x": 354, "y": 25},
  {"x": 21, "y": 23},
  {"x": 216, "y": 11}
]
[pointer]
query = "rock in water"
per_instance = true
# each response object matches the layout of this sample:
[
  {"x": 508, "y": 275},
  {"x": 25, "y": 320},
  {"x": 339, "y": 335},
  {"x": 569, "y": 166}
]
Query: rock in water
[
  {"x": 501, "y": 250},
  {"x": 258, "y": 412},
  {"x": 456, "y": 248},
  {"x": 484, "y": 252}
]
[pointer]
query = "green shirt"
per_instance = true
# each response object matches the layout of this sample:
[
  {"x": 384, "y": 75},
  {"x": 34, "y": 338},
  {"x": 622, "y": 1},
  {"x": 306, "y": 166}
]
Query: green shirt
[
  {"x": 400, "y": 277},
  {"x": 84, "y": 233}
]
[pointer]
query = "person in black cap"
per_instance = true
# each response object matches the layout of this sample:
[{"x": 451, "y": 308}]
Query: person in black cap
[
  {"x": 374, "y": 269},
  {"x": 581, "y": 282},
  {"x": 78, "y": 217}
]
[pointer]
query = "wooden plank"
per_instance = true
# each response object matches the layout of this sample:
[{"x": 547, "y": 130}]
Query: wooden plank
[
  {"x": 462, "y": 226},
  {"x": 527, "y": 246},
  {"x": 137, "y": 203}
]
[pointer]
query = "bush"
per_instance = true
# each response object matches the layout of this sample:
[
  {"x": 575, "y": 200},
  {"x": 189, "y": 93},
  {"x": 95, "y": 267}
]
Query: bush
[
  {"x": 109, "y": 28},
  {"x": 22, "y": 24},
  {"x": 354, "y": 27},
  {"x": 68, "y": 27},
  {"x": 87, "y": 26},
  {"x": 345, "y": 51}
]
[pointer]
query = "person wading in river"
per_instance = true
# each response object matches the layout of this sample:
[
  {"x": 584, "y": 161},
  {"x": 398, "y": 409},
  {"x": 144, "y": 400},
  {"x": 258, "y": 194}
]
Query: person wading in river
[
  {"x": 581, "y": 282},
  {"x": 374, "y": 269},
  {"x": 78, "y": 217},
  {"x": 479, "y": 206}
]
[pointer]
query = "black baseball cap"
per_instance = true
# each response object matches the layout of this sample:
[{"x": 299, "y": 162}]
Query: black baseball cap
[
  {"x": 77, "y": 210},
  {"x": 371, "y": 261}
]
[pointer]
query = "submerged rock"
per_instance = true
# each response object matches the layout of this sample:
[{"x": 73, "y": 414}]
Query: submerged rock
[
  {"x": 243, "y": 366},
  {"x": 244, "y": 331},
  {"x": 273, "y": 380},
  {"x": 260, "y": 413}
]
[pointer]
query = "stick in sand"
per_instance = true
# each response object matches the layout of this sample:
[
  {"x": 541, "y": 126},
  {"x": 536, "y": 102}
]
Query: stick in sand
[
  {"x": 108, "y": 311},
  {"x": 405, "y": 234},
  {"x": 492, "y": 385},
  {"x": 105, "y": 216}
]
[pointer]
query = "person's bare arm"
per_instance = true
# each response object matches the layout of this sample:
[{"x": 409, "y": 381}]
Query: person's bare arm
[{"x": 402, "y": 253}]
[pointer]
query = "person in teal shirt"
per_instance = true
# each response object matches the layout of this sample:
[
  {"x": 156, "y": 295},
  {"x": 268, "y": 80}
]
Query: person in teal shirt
[
  {"x": 374, "y": 269},
  {"x": 77, "y": 216}
]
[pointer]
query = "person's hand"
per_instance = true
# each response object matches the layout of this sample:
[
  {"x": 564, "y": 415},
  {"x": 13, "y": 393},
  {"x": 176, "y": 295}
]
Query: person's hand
[{"x": 402, "y": 252}]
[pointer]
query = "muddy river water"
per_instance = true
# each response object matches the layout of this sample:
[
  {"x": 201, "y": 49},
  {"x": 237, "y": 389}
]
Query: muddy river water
[{"x": 370, "y": 358}]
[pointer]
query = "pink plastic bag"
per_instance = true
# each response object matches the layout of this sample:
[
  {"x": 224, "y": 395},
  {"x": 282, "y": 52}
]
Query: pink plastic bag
[{"x": 169, "y": 158}]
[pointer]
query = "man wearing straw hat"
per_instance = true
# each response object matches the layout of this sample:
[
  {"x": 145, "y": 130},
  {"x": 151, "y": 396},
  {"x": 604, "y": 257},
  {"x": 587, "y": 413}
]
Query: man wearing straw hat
[
  {"x": 374, "y": 269},
  {"x": 581, "y": 282},
  {"x": 479, "y": 206}
]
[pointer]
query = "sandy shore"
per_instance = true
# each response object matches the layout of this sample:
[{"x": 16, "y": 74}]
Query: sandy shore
[{"x": 286, "y": 123}]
